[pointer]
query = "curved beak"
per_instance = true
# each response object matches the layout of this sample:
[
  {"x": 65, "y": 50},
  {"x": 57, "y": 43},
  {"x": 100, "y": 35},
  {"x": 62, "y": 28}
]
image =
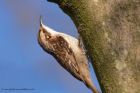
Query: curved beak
[
  {"x": 41, "y": 33},
  {"x": 40, "y": 19}
]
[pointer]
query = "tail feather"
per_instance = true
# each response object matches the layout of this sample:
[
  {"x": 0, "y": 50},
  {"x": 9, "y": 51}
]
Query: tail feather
[{"x": 90, "y": 85}]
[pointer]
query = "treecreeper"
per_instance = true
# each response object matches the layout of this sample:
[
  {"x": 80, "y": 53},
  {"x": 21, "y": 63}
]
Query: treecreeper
[{"x": 68, "y": 52}]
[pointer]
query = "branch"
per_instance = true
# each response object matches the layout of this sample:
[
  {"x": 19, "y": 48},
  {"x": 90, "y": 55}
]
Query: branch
[{"x": 110, "y": 30}]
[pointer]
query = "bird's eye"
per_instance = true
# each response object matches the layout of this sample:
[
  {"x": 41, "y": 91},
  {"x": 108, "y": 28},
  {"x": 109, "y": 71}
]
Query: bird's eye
[{"x": 48, "y": 37}]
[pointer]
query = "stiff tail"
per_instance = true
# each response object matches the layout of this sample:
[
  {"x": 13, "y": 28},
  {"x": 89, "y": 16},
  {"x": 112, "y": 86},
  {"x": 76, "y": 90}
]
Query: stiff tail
[{"x": 90, "y": 85}]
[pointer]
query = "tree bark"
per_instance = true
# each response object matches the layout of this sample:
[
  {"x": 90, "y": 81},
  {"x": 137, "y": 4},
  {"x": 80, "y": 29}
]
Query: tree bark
[{"x": 110, "y": 30}]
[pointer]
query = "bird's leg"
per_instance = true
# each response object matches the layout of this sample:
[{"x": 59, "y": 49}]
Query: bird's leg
[
  {"x": 81, "y": 45},
  {"x": 84, "y": 51}
]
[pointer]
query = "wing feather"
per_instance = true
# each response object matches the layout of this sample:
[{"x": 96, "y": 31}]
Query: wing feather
[{"x": 65, "y": 56}]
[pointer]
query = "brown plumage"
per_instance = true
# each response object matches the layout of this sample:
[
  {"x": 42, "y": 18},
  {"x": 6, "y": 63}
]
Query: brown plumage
[{"x": 67, "y": 52}]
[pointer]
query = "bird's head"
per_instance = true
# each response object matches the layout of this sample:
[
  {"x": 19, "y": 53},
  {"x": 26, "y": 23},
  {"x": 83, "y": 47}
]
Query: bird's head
[{"x": 45, "y": 37}]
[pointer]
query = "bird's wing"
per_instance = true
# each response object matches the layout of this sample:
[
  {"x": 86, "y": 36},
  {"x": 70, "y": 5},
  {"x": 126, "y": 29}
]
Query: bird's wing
[{"x": 65, "y": 56}]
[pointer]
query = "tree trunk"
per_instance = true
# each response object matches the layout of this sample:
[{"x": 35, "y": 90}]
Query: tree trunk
[{"x": 110, "y": 30}]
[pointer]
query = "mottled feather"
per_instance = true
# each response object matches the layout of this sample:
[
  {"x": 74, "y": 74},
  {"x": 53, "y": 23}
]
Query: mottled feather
[
  {"x": 69, "y": 53},
  {"x": 65, "y": 55}
]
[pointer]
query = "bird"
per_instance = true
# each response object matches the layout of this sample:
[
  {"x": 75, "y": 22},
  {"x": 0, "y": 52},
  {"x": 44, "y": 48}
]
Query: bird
[{"x": 68, "y": 52}]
